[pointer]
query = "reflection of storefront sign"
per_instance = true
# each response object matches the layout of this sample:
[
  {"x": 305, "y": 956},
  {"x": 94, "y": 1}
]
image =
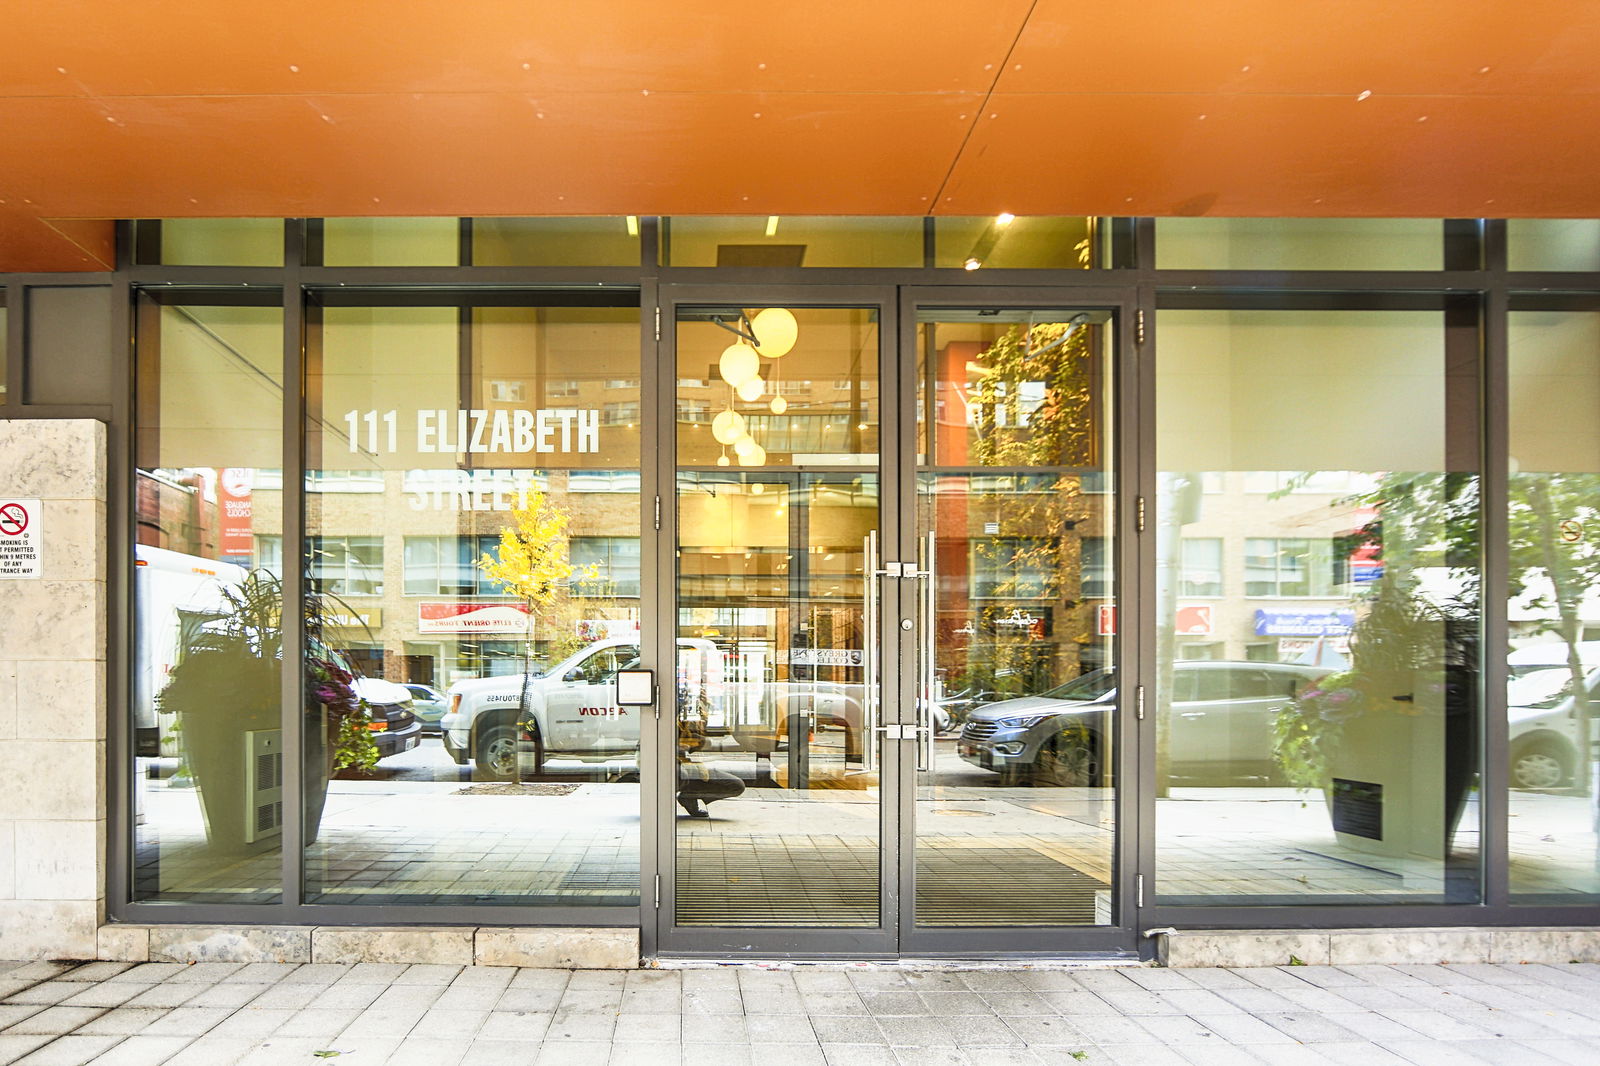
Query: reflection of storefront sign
[
  {"x": 1194, "y": 621},
  {"x": 1105, "y": 621},
  {"x": 1018, "y": 623},
  {"x": 1291, "y": 648},
  {"x": 235, "y": 511},
  {"x": 825, "y": 657},
  {"x": 468, "y": 617},
  {"x": 606, "y": 628},
  {"x": 355, "y": 618},
  {"x": 1304, "y": 623},
  {"x": 506, "y": 431}
]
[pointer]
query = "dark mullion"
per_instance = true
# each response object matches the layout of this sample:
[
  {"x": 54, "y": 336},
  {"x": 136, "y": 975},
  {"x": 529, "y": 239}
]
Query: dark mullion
[
  {"x": 1494, "y": 673},
  {"x": 292, "y": 674}
]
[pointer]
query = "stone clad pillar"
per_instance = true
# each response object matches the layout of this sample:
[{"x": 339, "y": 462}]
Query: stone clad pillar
[{"x": 53, "y": 696}]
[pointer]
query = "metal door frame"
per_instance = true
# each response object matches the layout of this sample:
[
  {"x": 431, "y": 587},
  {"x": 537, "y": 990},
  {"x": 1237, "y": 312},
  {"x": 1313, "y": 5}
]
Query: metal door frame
[
  {"x": 1121, "y": 937},
  {"x": 896, "y": 936}
]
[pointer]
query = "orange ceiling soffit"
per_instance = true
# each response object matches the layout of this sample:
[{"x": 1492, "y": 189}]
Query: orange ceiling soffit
[{"x": 178, "y": 108}]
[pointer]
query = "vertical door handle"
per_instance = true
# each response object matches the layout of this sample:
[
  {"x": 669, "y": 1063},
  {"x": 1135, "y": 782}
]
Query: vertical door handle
[
  {"x": 925, "y": 658},
  {"x": 869, "y": 652}
]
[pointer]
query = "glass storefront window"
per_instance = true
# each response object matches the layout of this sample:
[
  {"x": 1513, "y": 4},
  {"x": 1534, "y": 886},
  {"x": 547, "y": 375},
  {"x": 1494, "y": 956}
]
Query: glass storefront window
[
  {"x": 390, "y": 241},
  {"x": 576, "y": 242},
  {"x": 1299, "y": 244},
  {"x": 1316, "y": 715},
  {"x": 1553, "y": 693},
  {"x": 791, "y": 241},
  {"x": 1553, "y": 244},
  {"x": 473, "y": 540},
  {"x": 1008, "y": 242},
  {"x": 207, "y": 735},
  {"x": 221, "y": 241}
]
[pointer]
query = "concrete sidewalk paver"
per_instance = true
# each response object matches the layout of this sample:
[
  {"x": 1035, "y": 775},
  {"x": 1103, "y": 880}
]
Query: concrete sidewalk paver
[{"x": 267, "y": 1014}]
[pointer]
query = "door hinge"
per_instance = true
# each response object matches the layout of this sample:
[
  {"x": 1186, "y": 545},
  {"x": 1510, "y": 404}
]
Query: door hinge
[
  {"x": 658, "y": 323},
  {"x": 1138, "y": 701},
  {"x": 1138, "y": 890},
  {"x": 1138, "y": 515},
  {"x": 658, "y": 512},
  {"x": 1138, "y": 328},
  {"x": 658, "y": 891}
]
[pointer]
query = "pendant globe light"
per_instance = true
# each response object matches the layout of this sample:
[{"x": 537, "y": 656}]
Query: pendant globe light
[
  {"x": 779, "y": 405},
  {"x": 751, "y": 390},
  {"x": 728, "y": 426},
  {"x": 755, "y": 456},
  {"x": 739, "y": 363},
  {"x": 744, "y": 446},
  {"x": 776, "y": 331}
]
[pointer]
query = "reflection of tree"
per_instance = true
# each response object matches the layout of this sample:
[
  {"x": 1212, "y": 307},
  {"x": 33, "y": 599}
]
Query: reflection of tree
[
  {"x": 532, "y": 563},
  {"x": 1539, "y": 505},
  {"x": 1034, "y": 405}
]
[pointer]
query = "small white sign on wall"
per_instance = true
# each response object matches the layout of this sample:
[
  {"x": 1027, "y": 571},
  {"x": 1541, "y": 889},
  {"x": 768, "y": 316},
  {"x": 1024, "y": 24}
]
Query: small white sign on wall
[{"x": 21, "y": 544}]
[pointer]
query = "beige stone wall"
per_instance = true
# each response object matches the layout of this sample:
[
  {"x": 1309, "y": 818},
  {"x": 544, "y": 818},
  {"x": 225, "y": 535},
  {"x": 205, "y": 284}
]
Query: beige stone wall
[{"x": 53, "y": 697}]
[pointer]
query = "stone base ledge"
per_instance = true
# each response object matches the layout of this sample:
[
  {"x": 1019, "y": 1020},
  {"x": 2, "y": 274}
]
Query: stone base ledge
[
  {"x": 1341, "y": 947},
  {"x": 555, "y": 947}
]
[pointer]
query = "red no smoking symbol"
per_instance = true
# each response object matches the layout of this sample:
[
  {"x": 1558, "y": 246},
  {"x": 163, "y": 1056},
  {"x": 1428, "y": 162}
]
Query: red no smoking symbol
[{"x": 13, "y": 519}]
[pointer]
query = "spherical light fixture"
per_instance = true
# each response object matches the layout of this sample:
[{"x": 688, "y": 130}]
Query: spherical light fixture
[
  {"x": 722, "y": 460},
  {"x": 751, "y": 390},
  {"x": 777, "y": 331},
  {"x": 739, "y": 363},
  {"x": 745, "y": 445},
  {"x": 779, "y": 405},
  {"x": 756, "y": 456},
  {"x": 728, "y": 426}
]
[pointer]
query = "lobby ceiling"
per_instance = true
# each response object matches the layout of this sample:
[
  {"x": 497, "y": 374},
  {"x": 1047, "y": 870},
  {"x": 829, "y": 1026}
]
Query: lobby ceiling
[{"x": 182, "y": 108}]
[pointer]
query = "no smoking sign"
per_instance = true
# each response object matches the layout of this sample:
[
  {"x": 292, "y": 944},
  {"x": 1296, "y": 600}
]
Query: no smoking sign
[{"x": 21, "y": 546}]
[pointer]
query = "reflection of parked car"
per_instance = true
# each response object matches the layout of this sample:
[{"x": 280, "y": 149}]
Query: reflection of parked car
[
  {"x": 389, "y": 707},
  {"x": 1544, "y": 726},
  {"x": 428, "y": 704},
  {"x": 1222, "y": 719}
]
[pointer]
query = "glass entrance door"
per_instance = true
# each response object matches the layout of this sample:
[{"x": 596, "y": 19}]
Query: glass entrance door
[
  {"x": 897, "y": 724},
  {"x": 1013, "y": 842}
]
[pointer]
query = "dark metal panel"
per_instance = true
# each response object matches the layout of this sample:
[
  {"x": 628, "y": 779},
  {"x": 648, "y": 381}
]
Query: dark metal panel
[
  {"x": 11, "y": 403},
  {"x": 1463, "y": 244},
  {"x": 120, "y": 537},
  {"x": 67, "y": 355}
]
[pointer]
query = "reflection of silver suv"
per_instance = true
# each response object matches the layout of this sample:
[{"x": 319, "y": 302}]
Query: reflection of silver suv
[{"x": 1222, "y": 717}]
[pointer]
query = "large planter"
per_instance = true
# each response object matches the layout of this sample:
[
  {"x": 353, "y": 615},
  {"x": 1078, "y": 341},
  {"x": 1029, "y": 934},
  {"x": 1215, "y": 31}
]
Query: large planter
[
  {"x": 1397, "y": 781},
  {"x": 220, "y": 697}
]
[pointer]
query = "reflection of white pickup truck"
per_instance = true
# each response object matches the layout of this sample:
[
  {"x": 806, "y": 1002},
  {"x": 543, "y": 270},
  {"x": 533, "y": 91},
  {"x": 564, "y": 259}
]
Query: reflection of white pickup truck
[{"x": 572, "y": 709}]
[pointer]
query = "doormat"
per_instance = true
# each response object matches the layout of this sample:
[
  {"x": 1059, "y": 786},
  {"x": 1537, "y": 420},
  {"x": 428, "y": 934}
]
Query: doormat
[
  {"x": 790, "y": 882},
  {"x": 511, "y": 788}
]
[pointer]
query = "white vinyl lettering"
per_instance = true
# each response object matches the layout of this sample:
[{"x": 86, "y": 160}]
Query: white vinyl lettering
[{"x": 503, "y": 432}]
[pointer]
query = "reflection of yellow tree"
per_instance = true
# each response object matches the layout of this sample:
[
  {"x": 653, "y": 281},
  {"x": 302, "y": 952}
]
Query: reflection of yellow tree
[
  {"x": 1018, "y": 429},
  {"x": 534, "y": 564}
]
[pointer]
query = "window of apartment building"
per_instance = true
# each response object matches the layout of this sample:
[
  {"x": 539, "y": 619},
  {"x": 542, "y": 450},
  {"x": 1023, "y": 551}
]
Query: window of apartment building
[
  {"x": 1202, "y": 566},
  {"x": 347, "y": 566},
  {"x": 1288, "y": 566},
  {"x": 1015, "y": 568},
  {"x": 605, "y": 566},
  {"x": 1096, "y": 568},
  {"x": 448, "y": 566}
]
